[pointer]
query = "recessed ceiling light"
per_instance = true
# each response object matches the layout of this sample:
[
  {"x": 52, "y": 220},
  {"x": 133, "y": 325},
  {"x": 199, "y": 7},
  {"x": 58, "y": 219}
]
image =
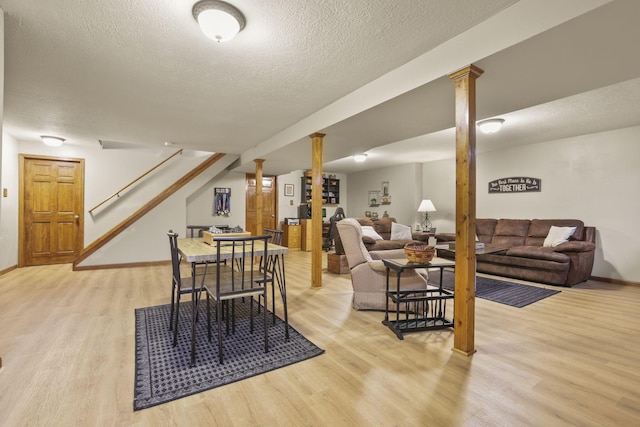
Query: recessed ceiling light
[{"x": 360, "y": 157}]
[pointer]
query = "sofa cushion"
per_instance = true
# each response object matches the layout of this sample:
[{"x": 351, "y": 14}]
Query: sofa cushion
[
  {"x": 385, "y": 245},
  {"x": 400, "y": 232},
  {"x": 540, "y": 229},
  {"x": 510, "y": 232},
  {"x": 365, "y": 221},
  {"x": 485, "y": 227},
  {"x": 369, "y": 231},
  {"x": 558, "y": 236},
  {"x": 383, "y": 227},
  {"x": 511, "y": 261},
  {"x": 537, "y": 252}
]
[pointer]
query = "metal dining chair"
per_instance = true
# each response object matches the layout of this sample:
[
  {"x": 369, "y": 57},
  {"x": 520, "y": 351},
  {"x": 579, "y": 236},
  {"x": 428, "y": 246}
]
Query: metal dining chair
[
  {"x": 271, "y": 264},
  {"x": 180, "y": 285},
  {"x": 239, "y": 282}
]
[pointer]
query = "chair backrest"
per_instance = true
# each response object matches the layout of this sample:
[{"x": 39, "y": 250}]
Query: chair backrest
[
  {"x": 337, "y": 216},
  {"x": 243, "y": 250},
  {"x": 276, "y": 235},
  {"x": 175, "y": 255},
  {"x": 351, "y": 237}
]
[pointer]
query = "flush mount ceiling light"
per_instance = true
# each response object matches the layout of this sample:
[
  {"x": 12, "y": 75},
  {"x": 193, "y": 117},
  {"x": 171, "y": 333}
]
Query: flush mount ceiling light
[
  {"x": 360, "y": 157},
  {"x": 218, "y": 20},
  {"x": 52, "y": 141},
  {"x": 490, "y": 125}
]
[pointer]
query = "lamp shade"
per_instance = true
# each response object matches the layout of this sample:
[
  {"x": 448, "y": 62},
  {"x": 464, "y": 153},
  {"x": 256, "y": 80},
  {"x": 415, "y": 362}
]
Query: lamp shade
[
  {"x": 426, "y": 206},
  {"x": 218, "y": 20}
]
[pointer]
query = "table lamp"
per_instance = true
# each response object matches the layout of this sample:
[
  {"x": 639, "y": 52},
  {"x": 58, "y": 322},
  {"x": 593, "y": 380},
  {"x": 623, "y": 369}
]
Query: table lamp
[{"x": 426, "y": 206}]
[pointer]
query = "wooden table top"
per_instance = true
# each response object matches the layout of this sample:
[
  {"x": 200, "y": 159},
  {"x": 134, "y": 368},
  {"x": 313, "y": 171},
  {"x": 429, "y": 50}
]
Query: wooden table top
[{"x": 196, "y": 250}]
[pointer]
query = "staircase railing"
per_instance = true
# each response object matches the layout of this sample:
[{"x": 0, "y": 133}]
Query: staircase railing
[{"x": 117, "y": 193}]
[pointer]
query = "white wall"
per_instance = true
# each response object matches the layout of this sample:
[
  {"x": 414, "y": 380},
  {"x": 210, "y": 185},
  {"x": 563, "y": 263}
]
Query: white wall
[
  {"x": 593, "y": 178},
  {"x": 200, "y": 203},
  {"x": 288, "y": 206},
  {"x": 405, "y": 188},
  {"x": 106, "y": 172},
  {"x": 9, "y": 205}
]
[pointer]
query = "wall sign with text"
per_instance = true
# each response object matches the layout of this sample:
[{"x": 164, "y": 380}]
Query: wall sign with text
[{"x": 515, "y": 184}]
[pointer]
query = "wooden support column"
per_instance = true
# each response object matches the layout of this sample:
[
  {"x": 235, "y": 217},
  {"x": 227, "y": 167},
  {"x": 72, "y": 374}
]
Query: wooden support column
[
  {"x": 259, "y": 215},
  {"x": 316, "y": 210},
  {"x": 465, "y": 274}
]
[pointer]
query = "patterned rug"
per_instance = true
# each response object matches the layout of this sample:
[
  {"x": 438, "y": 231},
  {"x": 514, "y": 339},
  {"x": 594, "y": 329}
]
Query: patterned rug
[
  {"x": 509, "y": 293},
  {"x": 163, "y": 373}
]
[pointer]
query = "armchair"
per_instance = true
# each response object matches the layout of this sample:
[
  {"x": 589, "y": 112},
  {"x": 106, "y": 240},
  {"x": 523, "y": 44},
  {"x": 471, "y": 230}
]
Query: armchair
[{"x": 368, "y": 273}]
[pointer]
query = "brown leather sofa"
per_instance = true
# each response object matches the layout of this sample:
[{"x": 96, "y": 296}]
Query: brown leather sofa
[
  {"x": 382, "y": 226},
  {"x": 524, "y": 256}
]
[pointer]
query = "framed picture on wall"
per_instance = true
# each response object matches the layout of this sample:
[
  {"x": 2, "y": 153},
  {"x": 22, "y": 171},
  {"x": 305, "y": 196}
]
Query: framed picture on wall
[
  {"x": 288, "y": 190},
  {"x": 222, "y": 201}
]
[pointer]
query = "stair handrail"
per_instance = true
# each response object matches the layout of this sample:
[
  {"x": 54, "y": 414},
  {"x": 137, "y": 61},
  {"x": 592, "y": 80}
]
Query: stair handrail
[{"x": 117, "y": 193}]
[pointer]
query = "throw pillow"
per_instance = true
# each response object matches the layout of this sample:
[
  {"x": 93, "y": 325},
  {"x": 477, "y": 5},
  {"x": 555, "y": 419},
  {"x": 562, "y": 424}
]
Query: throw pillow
[
  {"x": 400, "y": 232},
  {"x": 368, "y": 231},
  {"x": 557, "y": 236}
]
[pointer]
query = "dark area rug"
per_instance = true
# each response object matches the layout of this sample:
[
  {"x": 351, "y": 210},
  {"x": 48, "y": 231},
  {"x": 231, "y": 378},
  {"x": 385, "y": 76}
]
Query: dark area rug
[
  {"x": 504, "y": 292},
  {"x": 163, "y": 373}
]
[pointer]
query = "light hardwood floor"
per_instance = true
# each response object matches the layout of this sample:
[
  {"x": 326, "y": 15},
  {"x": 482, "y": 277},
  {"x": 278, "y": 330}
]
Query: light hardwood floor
[{"x": 67, "y": 345}]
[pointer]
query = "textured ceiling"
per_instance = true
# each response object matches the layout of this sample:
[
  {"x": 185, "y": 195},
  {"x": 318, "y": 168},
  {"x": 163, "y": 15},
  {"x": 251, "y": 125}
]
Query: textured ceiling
[{"x": 141, "y": 72}]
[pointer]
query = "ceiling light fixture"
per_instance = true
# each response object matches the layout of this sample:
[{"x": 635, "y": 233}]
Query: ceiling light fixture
[
  {"x": 490, "y": 125},
  {"x": 218, "y": 20},
  {"x": 52, "y": 141},
  {"x": 360, "y": 157}
]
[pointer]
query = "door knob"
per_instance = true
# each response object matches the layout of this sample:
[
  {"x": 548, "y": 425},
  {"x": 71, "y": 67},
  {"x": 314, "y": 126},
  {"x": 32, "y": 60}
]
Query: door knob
[{"x": 76, "y": 216}]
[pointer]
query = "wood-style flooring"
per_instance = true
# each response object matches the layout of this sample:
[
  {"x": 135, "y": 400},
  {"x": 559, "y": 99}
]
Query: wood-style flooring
[{"x": 67, "y": 346}]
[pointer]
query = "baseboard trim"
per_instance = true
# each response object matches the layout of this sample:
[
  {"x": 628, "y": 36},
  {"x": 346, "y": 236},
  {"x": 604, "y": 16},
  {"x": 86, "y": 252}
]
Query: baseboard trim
[
  {"x": 614, "y": 281},
  {"x": 129, "y": 265},
  {"x": 7, "y": 270}
]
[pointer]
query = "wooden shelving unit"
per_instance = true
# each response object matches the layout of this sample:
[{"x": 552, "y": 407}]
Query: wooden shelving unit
[{"x": 330, "y": 190}]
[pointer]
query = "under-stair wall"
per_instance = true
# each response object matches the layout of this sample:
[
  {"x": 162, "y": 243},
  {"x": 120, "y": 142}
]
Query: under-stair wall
[
  {"x": 145, "y": 240},
  {"x": 107, "y": 171}
]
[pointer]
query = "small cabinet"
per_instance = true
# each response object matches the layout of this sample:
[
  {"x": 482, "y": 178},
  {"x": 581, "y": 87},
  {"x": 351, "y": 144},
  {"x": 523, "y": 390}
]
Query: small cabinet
[
  {"x": 291, "y": 236},
  {"x": 330, "y": 190}
]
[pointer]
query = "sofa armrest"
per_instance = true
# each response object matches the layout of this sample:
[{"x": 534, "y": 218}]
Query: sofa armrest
[
  {"x": 445, "y": 237},
  {"x": 388, "y": 254},
  {"x": 575, "y": 246},
  {"x": 420, "y": 236}
]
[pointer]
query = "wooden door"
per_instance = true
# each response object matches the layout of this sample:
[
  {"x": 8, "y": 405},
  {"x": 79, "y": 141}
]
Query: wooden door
[
  {"x": 269, "y": 203},
  {"x": 52, "y": 206}
]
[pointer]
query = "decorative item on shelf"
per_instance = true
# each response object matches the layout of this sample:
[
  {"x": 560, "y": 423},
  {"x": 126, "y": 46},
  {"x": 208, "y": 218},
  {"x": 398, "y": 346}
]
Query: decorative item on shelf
[
  {"x": 374, "y": 214},
  {"x": 426, "y": 206},
  {"x": 386, "y": 200},
  {"x": 367, "y": 214},
  {"x": 374, "y": 198},
  {"x": 385, "y": 214},
  {"x": 419, "y": 253},
  {"x": 385, "y": 188}
]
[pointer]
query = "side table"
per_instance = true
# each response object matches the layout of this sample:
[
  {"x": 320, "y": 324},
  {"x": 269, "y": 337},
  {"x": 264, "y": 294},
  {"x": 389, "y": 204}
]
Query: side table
[{"x": 416, "y": 309}]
